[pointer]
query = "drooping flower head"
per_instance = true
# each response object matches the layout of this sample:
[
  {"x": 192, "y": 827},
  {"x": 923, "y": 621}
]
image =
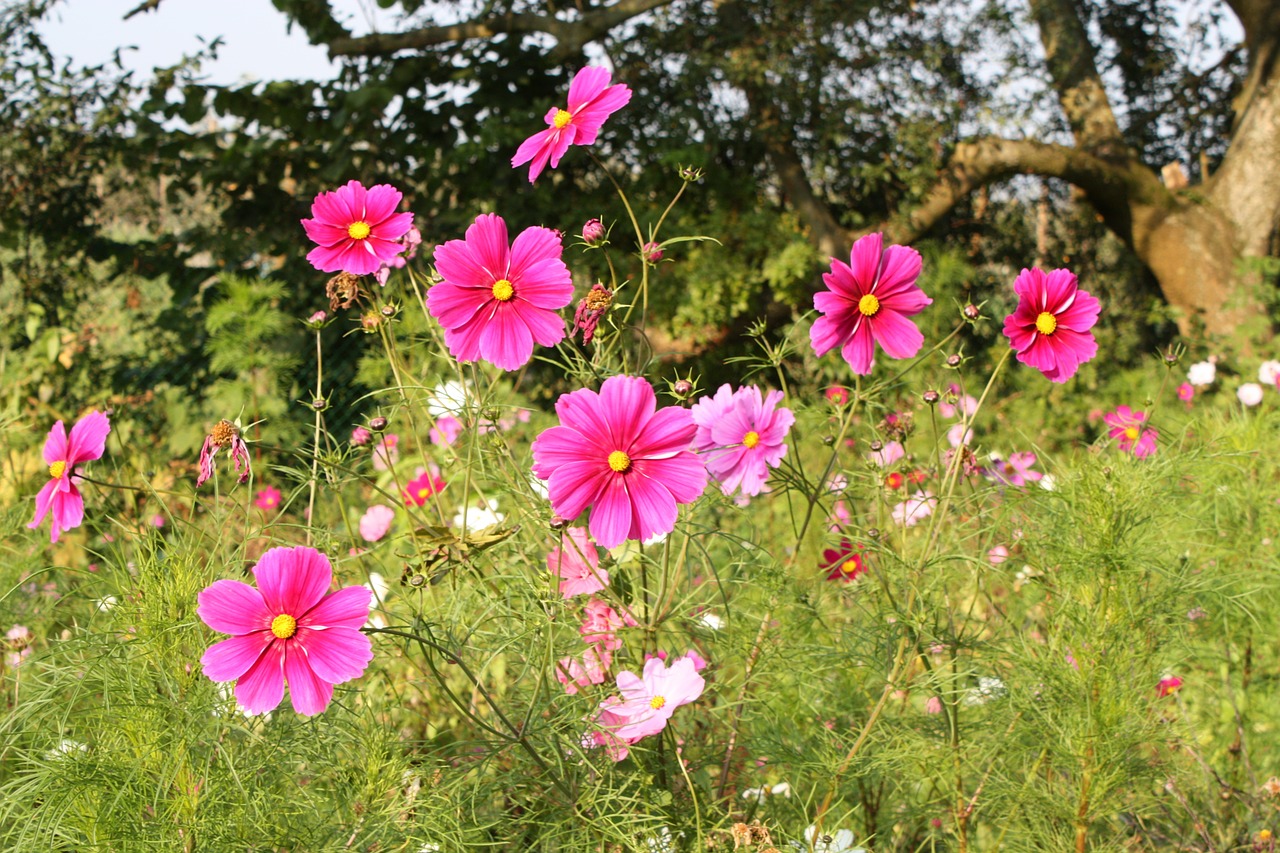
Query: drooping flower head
[
  {"x": 591, "y": 101},
  {"x": 224, "y": 434},
  {"x": 288, "y": 629},
  {"x": 1049, "y": 330},
  {"x": 576, "y": 561},
  {"x": 591, "y": 308},
  {"x": 62, "y": 453},
  {"x": 867, "y": 302},
  {"x": 649, "y": 699},
  {"x": 615, "y": 453},
  {"x": 741, "y": 436},
  {"x": 357, "y": 230},
  {"x": 496, "y": 301},
  {"x": 1130, "y": 431}
]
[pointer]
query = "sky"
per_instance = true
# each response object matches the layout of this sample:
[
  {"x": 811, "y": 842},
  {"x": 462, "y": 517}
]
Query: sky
[{"x": 257, "y": 45}]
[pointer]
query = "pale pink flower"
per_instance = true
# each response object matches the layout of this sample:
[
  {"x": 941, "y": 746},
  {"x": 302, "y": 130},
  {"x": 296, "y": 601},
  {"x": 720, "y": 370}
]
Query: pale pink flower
[
  {"x": 62, "y": 453},
  {"x": 357, "y": 229},
  {"x": 589, "y": 669},
  {"x": 889, "y": 453},
  {"x": 375, "y": 522},
  {"x": 286, "y": 629},
  {"x": 933, "y": 705},
  {"x": 998, "y": 555},
  {"x": 360, "y": 436},
  {"x": 495, "y": 302},
  {"x": 742, "y": 441},
  {"x": 607, "y": 722},
  {"x": 600, "y": 624},
  {"x": 576, "y": 561},
  {"x": 1249, "y": 394},
  {"x": 387, "y": 453},
  {"x": 650, "y": 699},
  {"x": 957, "y": 435},
  {"x": 591, "y": 101},
  {"x": 914, "y": 509}
]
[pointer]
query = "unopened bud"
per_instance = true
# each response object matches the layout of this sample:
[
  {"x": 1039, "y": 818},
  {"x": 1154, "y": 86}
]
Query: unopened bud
[
  {"x": 593, "y": 233},
  {"x": 682, "y": 388},
  {"x": 651, "y": 252},
  {"x": 953, "y": 360},
  {"x": 319, "y": 404},
  {"x": 972, "y": 312},
  {"x": 378, "y": 424},
  {"x": 876, "y": 446},
  {"x": 931, "y": 397}
]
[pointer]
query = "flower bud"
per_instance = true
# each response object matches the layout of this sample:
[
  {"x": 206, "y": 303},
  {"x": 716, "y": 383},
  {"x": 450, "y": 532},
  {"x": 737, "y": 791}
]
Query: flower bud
[
  {"x": 593, "y": 233},
  {"x": 931, "y": 397},
  {"x": 378, "y": 424},
  {"x": 953, "y": 360},
  {"x": 319, "y": 404},
  {"x": 651, "y": 252},
  {"x": 972, "y": 312},
  {"x": 682, "y": 388}
]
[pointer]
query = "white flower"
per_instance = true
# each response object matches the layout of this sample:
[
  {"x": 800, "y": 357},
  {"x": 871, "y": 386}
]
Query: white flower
[
  {"x": 1048, "y": 483},
  {"x": 709, "y": 620},
  {"x": 840, "y": 841},
  {"x": 989, "y": 687},
  {"x": 755, "y": 795},
  {"x": 478, "y": 518},
  {"x": 1250, "y": 393},
  {"x": 782, "y": 789},
  {"x": 449, "y": 398},
  {"x": 429, "y": 848},
  {"x": 1202, "y": 373},
  {"x": 66, "y": 748},
  {"x": 662, "y": 842},
  {"x": 378, "y": 586},
  {"x": 1268, "y": 372},
  {"x": 102, "y": 605},
  {"x": 539, "y": 487}
]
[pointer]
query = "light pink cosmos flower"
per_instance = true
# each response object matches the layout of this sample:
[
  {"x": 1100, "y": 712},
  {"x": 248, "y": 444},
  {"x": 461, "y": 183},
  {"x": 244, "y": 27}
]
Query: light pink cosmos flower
[
  {"x": 868, "y": 301},
  {"x": 576, "y": 561},
  {"x": 62, "y": 453},
  {"x": 998, "y": 555},
  {"x": 649, "y": 700},
  {"x": 1186, "y": 393},
  {"x": 1014, "y": 471},
  {"x": 224, "y": 434},
  {"x": 445, "y": 432},
  {"x": 575, "y": 673},
  {"x": 889, "y": 453},
  {"x": 914, "y": 509},
  {"x": 375, "y": 522},
  {"x": 615, "y": 453},
  {"x": 360, "y": 436},
  {"x": 1049, "y": 330},
  {"x": 357, "y": 229},
  {"x": 495, "y": 302},
  {"x": 600, "y": 624},
  {"x": 591, "y": 101},
  {"x": 741, "y": 441},
  {"x": 286, "y": 629},
  {"x": 607, "y": 722},
  {"x": 1128, "y": 428},
  {"x": 268, "y": 498},
  {"x": 387, "y": 452}
]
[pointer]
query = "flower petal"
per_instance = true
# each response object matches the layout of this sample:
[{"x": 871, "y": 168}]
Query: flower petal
[
  {"x": 346, "y": 608},
  {"x": 233, "y": 607},
  {"x": 610, "y": 521},
  {"x": 308, "y": 693},
  {"x": 336, "y": 654},
  {"x": 293, "y": 580},
  {"x": 261, "y": 688},
  {"x": 88, "y": 438},
  {"x": 232, "y": 658}
]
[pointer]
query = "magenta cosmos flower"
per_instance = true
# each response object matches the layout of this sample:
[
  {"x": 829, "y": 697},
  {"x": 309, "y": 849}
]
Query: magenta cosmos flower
[
  {"x": 649, "y": 700},
  {"x": 495, "y": 302},
  {"x": 868, "y": 302},
  {"x": 62, "y": 454},
  {"x": 615, "y": 453},
  {"x": 591, "y": 101},
  {"x": 742, "y": 436},
  {"x": 1049, "y": 330},
  {"x": 357, "y": 230},
  {"x": 576, "y": 561},
  {"x": 1128, "y": 428},
  {"x": 288, "y": 629}
]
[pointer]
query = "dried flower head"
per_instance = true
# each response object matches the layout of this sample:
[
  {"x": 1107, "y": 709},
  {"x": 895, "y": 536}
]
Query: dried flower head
[{"x": 343, "y": 291}]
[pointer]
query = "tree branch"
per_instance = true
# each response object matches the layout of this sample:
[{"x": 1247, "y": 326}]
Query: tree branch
[
  {"x": 145, "y": 6},
  {"x": 570, "y": 35},
  {"x": 1070, "y": 58}
]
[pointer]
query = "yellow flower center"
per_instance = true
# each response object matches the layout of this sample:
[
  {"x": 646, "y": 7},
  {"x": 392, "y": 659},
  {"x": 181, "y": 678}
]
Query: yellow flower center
[
  {"x": 57, "y": 469},
  {"x": 1046, "y": 323},
  {"x": 358, "y": 230},
  {"x": 657, "y": 702},
  {"x": 562, "y": 118},
  {"x": 619, "y": 461},
  {"x": 424, "y": 492},
  {"x": 1131, "y": 433},
  {"x": 502, "y": 290},
  {"x": 751, "y": 439},
  {"x": 868, "y": 305},
  {"x": 284, "y": 626}
]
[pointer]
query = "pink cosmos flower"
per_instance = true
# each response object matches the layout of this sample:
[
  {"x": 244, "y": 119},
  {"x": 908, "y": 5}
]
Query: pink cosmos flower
[
  {"x": 375, "y": 522},
  {"x": 964, "y": 404},
  {"x": 998, "y": 555},
  {"x": 62, "y": 453},
  {"x": 743, "y": 440},
  {"x": 1016, "y": 470},
  {"x": 607, "y": 722},
  {"x": 1168, "y": 685},
  {"x": 268, "y": 498},
  {"x": 445, "y": 432},
  {"x": 867, "y": 302},
  {"x": 576, "y": 560},
  {"x": 914, "y": 509},
  {"x": 1049, "y": 330},
  {"x": 387, "y": 453},
  {"x": 615, "y": 453},
  {"x": 357, "y": 229},
  {"x": 286, "y": 629},
  {"x": 837, "y": 394},
  {"x": 427, "y": 483},
  {"x": 933, "y": 705},
  {"x": 1186, "y": 393},
  {"x": 1127, "y": 427},
  {"x": 600, "y": 624},
  {"x": 574, "y": 673},
  {"x": 224, "y": 434},
  {"x": 495, "y": 302},
  {"x": 591, "y": 101},
  {"x": 889, "y": 453},
  {"x": 360, "y": 436},
  {"x": 649, "y": 700}
]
